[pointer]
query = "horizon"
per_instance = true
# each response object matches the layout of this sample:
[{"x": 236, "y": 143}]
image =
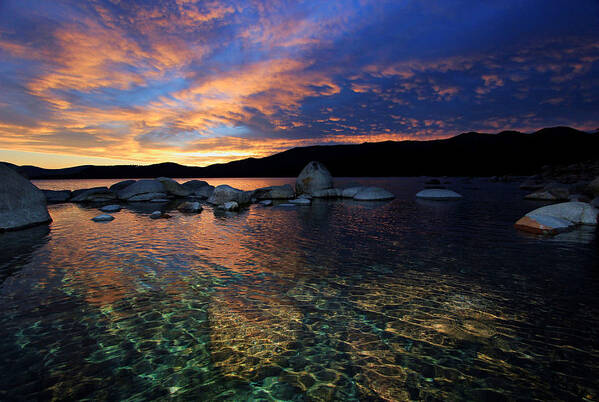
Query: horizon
[
  {"x": 199, "y": 83},
  {"x": 596, "y": 131}
]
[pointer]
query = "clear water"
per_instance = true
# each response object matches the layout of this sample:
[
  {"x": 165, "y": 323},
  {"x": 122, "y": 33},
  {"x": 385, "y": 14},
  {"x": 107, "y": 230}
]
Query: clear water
[{"x": 401, "y": 300}]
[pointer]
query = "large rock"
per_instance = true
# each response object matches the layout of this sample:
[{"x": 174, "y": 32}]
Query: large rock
[
  {"x": 373, "y": 194},
  {"x": 351, "y": 192},
  {"x": 148, "y": 197},
  {"x": 283, "y": 192},
  {"x": 174, "y": 188},
  {"x": 21, "y": 203},
  {"x": 95, "y": 194},
  {"x": 121, "y": 185},
  {"x": 593, "y": 187},
  {"x": 315, "y": 176},
  {"x": 194, "y": 185},
  {"x": 57, "y": 196},
  {"x": 141, "y": 187},
  {"x": 225, "y": 193},
  {"x": 438, "y": 194},
  {"x": 556, "y": 218}
]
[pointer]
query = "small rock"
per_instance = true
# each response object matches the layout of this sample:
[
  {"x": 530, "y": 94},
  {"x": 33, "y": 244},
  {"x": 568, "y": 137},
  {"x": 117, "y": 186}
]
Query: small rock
[
  {"x": 229, "y": 206},
  {"x": 373, "y": 194},
  {"x": 541, "y": 195},
  {"x": 159, "y": 215},
  {"x": 103, "y": 218},
  {"x": 438, "y": 195},
  {"x": 266, "y": 203},
  {"x": 190, "y": 206},
  {"x": 111, "y": 208}
]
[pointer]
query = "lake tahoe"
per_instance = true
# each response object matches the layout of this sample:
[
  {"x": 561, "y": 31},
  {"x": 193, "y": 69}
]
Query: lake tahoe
[{"x": 405, "y": 299}]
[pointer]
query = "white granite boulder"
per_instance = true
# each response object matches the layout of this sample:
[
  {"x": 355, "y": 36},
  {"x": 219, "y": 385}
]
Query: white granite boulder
[
  {"x": 373, "y": 194},
  {"x": 438, "y": 195},
  {"x": 314, "y": 176},
  {"x": 556, "y": 218}
]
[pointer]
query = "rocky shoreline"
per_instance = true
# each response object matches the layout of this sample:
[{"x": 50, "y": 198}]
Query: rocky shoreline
[{"x": 578, "y": 185}]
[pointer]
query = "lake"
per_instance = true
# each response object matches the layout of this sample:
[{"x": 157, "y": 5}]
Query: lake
[{"x": 340, "y": 300}]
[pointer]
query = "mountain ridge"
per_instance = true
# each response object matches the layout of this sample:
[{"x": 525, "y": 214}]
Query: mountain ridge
[{"x": 466, "y": 154}]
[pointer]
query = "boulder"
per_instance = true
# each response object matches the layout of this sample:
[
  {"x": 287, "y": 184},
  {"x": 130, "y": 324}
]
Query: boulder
[
  {"x": 575, "y": 212},
  {"x": 111, "y": 208},
  {"x": 373, "y": 194},
  {"x": 174, "y": 188},
  {"x": 204, "y": 192},
  {"x": 95, "y": 194},
  {"x": 593, "y": 187},
  {"x": 229, "y": 206},
  {"x": 116, "y": 187},
  {"x": 314, "y": 176},
  {"x": 194, "y": 185},
  {"x": 274, "y": 193},
  {"x": 351, "y": 192},
  {"x": 21, "y": 203},
  {"x": 327, "y": 193},
  {"x": 438, "y": 195},
  {"x": 542, "y": 224},
  {"x": 147, "y": 197},
  {"x": 301, "y": 201},
  {"x": 190, "y": 206},
  {"x": 57, "y": 196},
  {"x": 103, "y": 218},
  {"x": 144, "y": 186},
  {"x": 225, "y": 193}
]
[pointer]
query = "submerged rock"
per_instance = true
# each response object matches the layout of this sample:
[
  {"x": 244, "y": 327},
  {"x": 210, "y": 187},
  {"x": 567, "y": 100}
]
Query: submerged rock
[
  {"x": 556, "y": 218},
  {"x": 274, "y": 193},
  {"x": 21, "y": 203},
  {"x": 140, "y": 187},
  {"x": 314, "y": 176},
  {"x": 373, "y": 194},
  {"x": 121, "y": 185},
  {"x": 111, "y": 208},
  {"x": 301, "y": 201},
  {"x": 190, "y": 206},
  {"x": 225, "y": 193},
  {"x": 438, "y": 194},
  {"x": 57, "y": 196},
  {"x": 103, "y": 218},
  {"x": 174, "y": 188}
]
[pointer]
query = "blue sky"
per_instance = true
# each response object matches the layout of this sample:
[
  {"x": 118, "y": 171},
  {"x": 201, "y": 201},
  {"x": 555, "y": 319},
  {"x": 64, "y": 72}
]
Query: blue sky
[{"x": 200, "y": 82}]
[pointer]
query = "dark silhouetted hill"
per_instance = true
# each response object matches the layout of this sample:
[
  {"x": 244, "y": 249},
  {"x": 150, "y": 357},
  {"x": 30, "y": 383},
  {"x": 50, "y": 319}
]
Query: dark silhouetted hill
[{"x": 468, "y": 154}]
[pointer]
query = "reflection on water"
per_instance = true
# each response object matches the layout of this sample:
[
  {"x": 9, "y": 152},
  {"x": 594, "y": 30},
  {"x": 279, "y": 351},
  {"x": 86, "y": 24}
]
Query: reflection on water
[{"x": 401, "y": 300}]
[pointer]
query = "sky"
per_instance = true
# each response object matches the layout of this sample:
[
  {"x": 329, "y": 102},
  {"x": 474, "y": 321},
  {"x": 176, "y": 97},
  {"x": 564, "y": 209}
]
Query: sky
[{"x": 202, "y": 82}]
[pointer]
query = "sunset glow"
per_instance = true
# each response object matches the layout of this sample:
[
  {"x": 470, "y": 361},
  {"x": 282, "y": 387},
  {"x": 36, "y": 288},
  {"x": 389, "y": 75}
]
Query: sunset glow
[{"x": 197, "y": 82}]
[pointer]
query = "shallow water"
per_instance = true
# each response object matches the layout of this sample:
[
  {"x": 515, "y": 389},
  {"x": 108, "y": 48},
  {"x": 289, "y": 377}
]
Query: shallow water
[{"x": 400, "y": 300}]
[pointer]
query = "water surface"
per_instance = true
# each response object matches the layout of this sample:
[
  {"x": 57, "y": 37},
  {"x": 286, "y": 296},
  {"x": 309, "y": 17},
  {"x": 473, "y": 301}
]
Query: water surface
[{"x": 400, "y": 300}]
